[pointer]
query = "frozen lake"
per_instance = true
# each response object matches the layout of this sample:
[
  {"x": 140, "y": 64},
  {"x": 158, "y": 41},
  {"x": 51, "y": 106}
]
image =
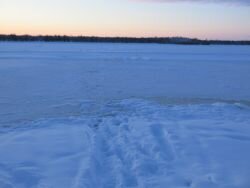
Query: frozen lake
[
  {"x": 51, "y": 79},
  {"x": 124, "y": 115}
]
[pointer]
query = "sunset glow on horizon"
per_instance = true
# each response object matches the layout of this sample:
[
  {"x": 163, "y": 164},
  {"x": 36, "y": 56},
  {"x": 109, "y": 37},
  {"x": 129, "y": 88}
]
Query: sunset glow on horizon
[{"x": 203, "y": 19}]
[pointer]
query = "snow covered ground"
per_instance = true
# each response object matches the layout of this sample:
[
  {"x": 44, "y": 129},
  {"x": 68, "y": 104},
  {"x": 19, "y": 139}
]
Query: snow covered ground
[{"x": 124, "y": 115}]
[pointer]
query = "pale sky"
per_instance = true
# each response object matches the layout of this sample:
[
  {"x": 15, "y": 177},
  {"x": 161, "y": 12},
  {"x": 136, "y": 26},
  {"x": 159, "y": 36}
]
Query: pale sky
[{"x": 205, "y": 19}]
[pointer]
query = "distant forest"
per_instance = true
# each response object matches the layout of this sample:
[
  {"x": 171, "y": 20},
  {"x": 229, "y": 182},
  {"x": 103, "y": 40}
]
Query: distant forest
[{"x": 159, "y": 40}]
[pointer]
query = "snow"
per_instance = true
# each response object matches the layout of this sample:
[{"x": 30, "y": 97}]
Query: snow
[
  {"x": 124, "y": 115},
  {"x": 131, "y": 143}
]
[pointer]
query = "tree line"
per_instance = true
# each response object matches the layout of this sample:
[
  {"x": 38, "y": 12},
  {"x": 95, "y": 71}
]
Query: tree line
[{"x": 159, "y": 40}]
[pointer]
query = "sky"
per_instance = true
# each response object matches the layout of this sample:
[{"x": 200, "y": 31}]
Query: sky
[{"x": 204, "y": 19}]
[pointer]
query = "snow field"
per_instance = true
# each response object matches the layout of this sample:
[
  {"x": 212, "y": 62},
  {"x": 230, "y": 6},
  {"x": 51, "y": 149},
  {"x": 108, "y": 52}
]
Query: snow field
[{"x": 131, "y": 143}]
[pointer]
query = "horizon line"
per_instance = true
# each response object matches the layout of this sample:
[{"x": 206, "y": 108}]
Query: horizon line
[{"x": 124, "y": 37}]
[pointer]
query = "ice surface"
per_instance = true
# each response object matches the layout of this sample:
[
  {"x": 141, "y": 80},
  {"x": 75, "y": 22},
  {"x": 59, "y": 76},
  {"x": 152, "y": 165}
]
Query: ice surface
[
  {"x": 124, "y": 115},
  {"x": 49, "y": 79}
]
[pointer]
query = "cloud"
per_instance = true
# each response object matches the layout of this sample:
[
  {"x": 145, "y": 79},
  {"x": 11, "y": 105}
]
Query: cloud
[{"x": 242, "y": 2}]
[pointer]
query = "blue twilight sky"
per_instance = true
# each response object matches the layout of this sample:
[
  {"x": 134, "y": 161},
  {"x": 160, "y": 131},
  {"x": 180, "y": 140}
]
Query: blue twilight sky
[{"x": 206, "y": 19}]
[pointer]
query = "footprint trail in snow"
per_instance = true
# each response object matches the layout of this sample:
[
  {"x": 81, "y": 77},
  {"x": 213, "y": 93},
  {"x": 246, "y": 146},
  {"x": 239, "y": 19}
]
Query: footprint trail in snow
[{"x": 131, "y": 143}]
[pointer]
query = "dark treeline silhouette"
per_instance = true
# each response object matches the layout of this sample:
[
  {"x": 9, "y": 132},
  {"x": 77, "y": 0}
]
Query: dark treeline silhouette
[{"x": 160, "y": 40}]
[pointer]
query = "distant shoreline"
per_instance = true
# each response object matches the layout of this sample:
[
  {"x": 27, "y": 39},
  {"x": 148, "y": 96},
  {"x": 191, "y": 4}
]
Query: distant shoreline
[{"x": 156, "y": 40}]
